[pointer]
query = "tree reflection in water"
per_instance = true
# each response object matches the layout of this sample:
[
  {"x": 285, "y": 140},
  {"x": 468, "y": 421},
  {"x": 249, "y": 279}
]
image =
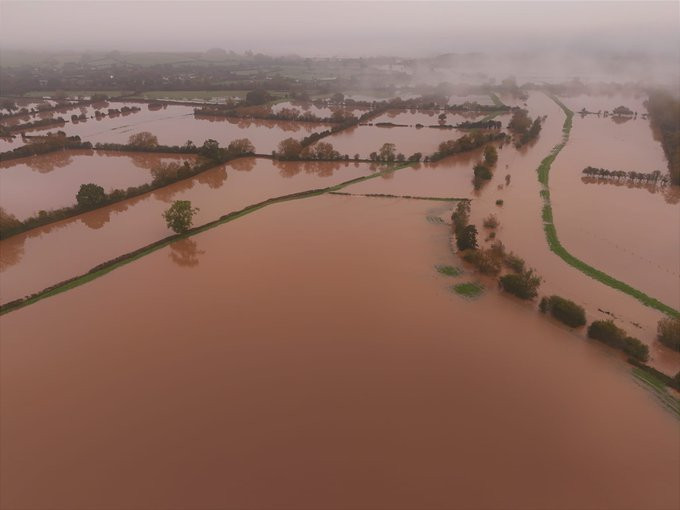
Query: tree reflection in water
[{"x": 185, "y": 253}]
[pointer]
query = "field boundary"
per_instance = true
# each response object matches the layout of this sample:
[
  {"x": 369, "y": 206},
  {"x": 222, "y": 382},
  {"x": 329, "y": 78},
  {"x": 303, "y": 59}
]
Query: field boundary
[
  {"x": 554, "y": 243},
  {"x": 112, "y": 264}
]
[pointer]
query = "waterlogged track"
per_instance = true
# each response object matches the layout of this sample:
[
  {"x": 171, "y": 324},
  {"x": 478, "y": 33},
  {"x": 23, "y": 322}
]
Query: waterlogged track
[
  {"x": 561, "y": 251},
  {"x": 336, "y": 371},
  {"x": 18, "y": 278}
]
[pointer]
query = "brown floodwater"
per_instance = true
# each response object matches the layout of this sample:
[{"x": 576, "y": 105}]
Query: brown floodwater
[
  {"x": 290, "y": 360},
  {"x": 630, "y": 233},
  {"x": 51, "y": 181},
  {"x": 363, "y": 140},
  {"x": 521, "y": 230},
  {"x": 41, "y": 257},
  {"x": 175, "y": 124}
]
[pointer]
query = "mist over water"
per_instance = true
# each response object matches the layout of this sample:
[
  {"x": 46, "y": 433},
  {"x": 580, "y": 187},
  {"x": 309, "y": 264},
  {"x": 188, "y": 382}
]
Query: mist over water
[{"x": 539, "y": 40}]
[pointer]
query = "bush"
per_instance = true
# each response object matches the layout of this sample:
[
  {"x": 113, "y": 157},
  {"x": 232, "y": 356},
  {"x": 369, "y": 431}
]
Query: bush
[
  {"x": 524, "y": 285},
  {"x": 466, "y": 238},
  {"x": 482, "y": 172},
  {"x": 490, "y": 155},
  {"x": 491, "y": 221},
  {"x": 609, "y": 333},
  {"x": 90, "y": 195},
  {"x": 668, "y": 332},
  {"x": 515, "y": 262},
  {"x": 564, "y": 310},
  {"x": 180, "y": 216},
  {"x": 499, "y": 202},
  {"x": 483, "y": 261}
]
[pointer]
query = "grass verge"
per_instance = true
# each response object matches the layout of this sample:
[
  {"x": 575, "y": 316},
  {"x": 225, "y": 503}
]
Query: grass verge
[
  {"x": 551, "y": 231},
  {"x": 449, "y": 270},
  {"x": 469, "y": 290}
]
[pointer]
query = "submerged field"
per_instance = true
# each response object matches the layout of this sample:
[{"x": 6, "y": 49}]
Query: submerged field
[
  {"x": 269, "y": 347},
  {"x": 50, "y": 181},
  {"x": 27, "y": 260},
  {"x": 332, "y": 329}
]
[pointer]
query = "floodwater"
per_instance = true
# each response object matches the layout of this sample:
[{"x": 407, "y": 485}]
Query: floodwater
[
  {"x": 175, "y": 124},
  {"x": 449, "y": 177},
  {"x": 521, "y": 230},
  {"x": 51, "y": 181},
  {"x": 363, "y": 140},
  {"x": 630, "y": 233},
  {"x": 290, "y": 360},
  {"x": 41, "y": 257},
  {"x": 425, "y": 117}
]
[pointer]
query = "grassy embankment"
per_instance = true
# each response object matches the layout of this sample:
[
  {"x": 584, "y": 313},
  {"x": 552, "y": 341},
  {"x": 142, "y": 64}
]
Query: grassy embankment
[
  {"x": 110, "y": 265},
  {"x": 551, "y": 232}
]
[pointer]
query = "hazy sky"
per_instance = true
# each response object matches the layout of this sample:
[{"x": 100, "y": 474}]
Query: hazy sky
[{"x": 341, "y": 28}]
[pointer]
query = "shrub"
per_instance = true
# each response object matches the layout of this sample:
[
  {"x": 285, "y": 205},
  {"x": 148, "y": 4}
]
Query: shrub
[
  {"x": 490, "y": 155},
  {"x": 668, "y": 332},
  {"x": 90, "y": 195},
  {"x": 514, "y": 262},
  {"x": 609, "y": 333},
  {"x": 524, "y": 285},
  {"x": 499, "y": 201},
  {"x": 483, "y": 261},
  {"x": 564, "y": 310},
  {"x": 466, "y": 238},
  {"x": 180, "y": 216},
  {"x": 482, "y": 172},
  {"x": 461, "y": 216},
  {"x": 491, "y": 221}
]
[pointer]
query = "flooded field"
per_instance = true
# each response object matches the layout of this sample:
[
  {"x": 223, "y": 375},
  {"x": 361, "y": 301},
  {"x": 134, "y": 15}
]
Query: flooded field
[
  {"x": 175, "y": 124},
  {"x": 51, "y": 181},
  {"x": 425, "y": 117},
  {"x": 363, "y": 140},
  {"x": 521, "y": 230},
  {"x": 632, "y": 233},
  {"x": 32, "y": 261},
  {"x": 259, "y": 381}
]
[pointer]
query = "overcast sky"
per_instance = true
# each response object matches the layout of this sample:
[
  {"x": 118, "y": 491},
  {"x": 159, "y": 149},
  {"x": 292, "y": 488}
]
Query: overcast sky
[{"x": 341, "y": 28}]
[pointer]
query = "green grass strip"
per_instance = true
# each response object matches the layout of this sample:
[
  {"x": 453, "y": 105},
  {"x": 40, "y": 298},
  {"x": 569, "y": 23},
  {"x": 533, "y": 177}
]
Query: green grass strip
[
  {"x": 449, "y": 270},
  {"x": 556, "y": 247},
  {"x": 468, "y": 290},
  {"x": 658, "y": 388},
  {"x": 386, "y": 195},
  {"x": 107, "y": 267}
]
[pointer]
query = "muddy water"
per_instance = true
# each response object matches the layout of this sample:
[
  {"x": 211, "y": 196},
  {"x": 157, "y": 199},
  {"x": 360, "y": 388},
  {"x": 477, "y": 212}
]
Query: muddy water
[
  {"x": 292, "y": 361},
  {"x": 363, "y": 140},
  {"x": 51, "y": 181},
  {"x": 44, "y": 256},
  {"x": 424, "y": 117},
  {"x": 594, "y": 103},
  {"x": 521, "y": 230},
  {"x": 630, "y": 233},
  {"x": 175, "y": 124}
]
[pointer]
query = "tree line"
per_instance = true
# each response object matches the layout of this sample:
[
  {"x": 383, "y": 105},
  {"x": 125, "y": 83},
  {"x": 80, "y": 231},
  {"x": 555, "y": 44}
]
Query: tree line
[
  {"x": 655, "y": 177},
  {"x": 664, "y": 112}
]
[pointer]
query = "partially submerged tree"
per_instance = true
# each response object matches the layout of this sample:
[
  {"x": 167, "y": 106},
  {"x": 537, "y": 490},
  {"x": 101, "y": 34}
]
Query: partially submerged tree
[
  {"x": 90, "y": 195},
  {"x": 179, "y": 216},
  {"x": 668, "y": 332},
  {"x": 143, "y": 139}
]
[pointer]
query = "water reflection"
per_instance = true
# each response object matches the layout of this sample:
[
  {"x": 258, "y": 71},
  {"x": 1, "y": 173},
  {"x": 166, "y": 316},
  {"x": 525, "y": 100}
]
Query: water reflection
[
  {"x": 243, "y": 164},
  {"x": 11, "y": 251},
  {"x": 214, "y": 178},
  {"x": 185, "y": 253},
  {"x": 671, "y": 194},
  {"x": 45, "y": 163}
]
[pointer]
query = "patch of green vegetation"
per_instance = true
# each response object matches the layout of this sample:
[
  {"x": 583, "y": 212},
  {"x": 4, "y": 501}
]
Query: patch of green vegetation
[
  {"x": 658, "y": 388},
  {"x": 449, "y": 270},
  {"x": 557, "y": 248},
  {"x": 468, "y": 290}
]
